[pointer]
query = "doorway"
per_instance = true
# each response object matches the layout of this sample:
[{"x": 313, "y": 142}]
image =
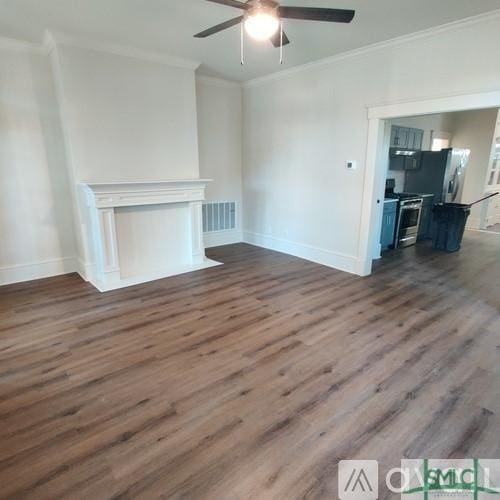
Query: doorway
[{"x": 378, "y": 148}]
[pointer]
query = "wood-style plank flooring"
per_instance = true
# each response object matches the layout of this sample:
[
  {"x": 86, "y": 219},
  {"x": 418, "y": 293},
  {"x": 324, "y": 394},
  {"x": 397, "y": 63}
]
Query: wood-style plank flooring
[
  {"x": 495, "y": 228},
  {"x": 249, "y": 380}
]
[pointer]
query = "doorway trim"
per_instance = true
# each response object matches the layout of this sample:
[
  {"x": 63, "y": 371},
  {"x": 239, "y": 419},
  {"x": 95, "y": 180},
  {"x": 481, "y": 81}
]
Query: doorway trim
[{"x": 375, "y": 168}]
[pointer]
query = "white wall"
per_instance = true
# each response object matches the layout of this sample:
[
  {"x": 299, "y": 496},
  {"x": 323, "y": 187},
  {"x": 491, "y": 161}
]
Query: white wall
[
  {"x": 301, "y": 128},
  {"x": 220, "y": 146},
  {"x": 126, "y": 118},
  {"x": 474, "y": 130},
  {"x": 35, "y": 211}
]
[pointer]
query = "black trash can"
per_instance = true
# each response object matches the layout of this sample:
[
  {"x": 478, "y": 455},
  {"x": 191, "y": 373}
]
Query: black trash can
[{"x": 448, "y": 225}]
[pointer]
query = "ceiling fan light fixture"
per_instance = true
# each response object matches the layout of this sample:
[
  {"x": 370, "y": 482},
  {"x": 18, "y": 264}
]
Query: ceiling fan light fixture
[{"x": 261, "y": 23}]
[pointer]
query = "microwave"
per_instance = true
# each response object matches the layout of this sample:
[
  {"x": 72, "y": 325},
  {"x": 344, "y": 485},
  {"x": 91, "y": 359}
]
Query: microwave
[{"x": 404, "y": 159}]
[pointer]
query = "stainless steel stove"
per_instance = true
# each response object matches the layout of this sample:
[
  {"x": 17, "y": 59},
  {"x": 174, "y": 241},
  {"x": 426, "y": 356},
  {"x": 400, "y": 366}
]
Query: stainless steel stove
[{"x": 408, "y": 218}]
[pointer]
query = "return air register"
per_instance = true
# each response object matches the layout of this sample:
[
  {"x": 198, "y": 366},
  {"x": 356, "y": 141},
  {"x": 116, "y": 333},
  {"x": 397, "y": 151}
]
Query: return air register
[{"x": 219, "y": 216}]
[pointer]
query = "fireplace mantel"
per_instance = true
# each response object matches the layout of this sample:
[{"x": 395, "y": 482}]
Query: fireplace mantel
[
  {"x": 103, "y": 200},
  {"x": 125, "y": 194}
]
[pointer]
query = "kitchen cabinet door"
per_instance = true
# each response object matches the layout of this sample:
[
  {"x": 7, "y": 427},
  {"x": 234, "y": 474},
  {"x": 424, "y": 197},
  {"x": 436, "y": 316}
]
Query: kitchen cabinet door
[
  {"x": 412, "y": 163},
  {"x": 388, "y": 225},
  {"x": 418, "y": 139},
  {"x": 406, "y": 138},
  {"x": 410, "y": 139},
  {"x": 394, "y": 136},
  {"x": 399, "y": 136},
  {"x": 402, "y": 138}
]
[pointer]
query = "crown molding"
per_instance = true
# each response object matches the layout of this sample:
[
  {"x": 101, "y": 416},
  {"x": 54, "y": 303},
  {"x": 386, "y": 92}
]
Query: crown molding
[
  {"x": 441, "y": 103},
  {"x": 54, "y": 38},
  {"x": 217, "y": 82},
  {"x": 15, "y": 45},
  {"x": 368, "y": 49}
]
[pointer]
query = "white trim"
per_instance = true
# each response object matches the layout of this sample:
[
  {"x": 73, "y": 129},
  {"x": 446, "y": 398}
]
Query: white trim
[
  {"x": 375, "y": 171},
  {"x": 328, "y": 258},
  {"x": 218, "y": 82},
  {"x": 120, "y": 186},
  {"x": 37, "y": 270},
  {"x": 128, "y": 194},
  {"x": 15, "y": 45},
  {"x": 219, "y": 238},
  {"x": 174, "y": 271},
  {"x": 85, "y": 269},
  {"x": 368, "y": 49},
  {"x": 102, "y": 199},
  {"x": 437, "y": 104},
  {"x": 371, "y": 211},
  {"x": 52, "y": 38}
]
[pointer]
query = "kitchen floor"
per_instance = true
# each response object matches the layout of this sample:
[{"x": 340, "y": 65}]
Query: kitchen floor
[
  {"x": 249, "y": 380},
  {"x": 494, "y": 229}
]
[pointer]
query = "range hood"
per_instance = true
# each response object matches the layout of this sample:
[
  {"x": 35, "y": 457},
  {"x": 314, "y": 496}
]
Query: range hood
[{"x": 404, "y": 159}]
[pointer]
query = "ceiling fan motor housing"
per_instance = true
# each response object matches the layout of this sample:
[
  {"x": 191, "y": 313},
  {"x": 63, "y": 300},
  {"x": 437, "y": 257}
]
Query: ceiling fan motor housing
[
  {"x": 261, "y": 21},
  {"x": 259, "y": 7}
]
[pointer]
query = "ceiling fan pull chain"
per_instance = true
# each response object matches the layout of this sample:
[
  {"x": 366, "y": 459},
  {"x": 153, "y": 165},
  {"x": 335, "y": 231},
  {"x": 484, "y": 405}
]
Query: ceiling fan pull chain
[
  {"x": 242, "y": 52},
  {"x": 281, "y": 42}
]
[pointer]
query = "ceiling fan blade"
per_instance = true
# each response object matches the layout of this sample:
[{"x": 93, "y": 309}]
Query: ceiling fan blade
[
  {"x": 317, "y": 14},
  {"x": 276, "y": 39},
  {"x": 232, "y": 3},
  {"x": 219, "y": 27}
]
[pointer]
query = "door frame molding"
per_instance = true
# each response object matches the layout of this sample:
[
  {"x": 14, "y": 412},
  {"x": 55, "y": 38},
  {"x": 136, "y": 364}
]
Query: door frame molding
[{"x": 375, "y": 168}]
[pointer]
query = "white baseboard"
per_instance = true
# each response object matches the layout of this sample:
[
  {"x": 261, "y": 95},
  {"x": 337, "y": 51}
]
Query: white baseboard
[
  {"x": 328, "y": 258},
  {"x": 219, "y": 238},
  {"x": 85, "y": 270},
  {"x": 37, "y": 270}
]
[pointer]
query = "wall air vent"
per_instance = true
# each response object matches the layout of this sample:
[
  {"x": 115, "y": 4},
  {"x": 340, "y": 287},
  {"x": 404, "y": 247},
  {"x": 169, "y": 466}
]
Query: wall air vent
[{"x": 219, "y": 216}]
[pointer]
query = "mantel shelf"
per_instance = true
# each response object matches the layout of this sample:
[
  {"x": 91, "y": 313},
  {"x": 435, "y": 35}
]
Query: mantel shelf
[
  {"x": 123, "y": 194},
  {"x": 139, "y": 185}
]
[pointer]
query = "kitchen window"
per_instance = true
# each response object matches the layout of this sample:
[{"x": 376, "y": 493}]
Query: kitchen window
[{"x": 440, "y": 140}]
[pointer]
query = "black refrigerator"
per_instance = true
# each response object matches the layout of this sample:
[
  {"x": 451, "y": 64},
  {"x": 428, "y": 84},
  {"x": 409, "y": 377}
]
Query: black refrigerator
[{"x": 441, "y": 173}]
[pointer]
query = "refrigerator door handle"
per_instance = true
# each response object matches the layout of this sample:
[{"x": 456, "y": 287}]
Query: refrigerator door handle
[{"x": 454, "y": 185}]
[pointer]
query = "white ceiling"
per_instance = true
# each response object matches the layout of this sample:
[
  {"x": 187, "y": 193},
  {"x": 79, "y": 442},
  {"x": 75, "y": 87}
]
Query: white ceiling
[{"x": 169, "y": 25}]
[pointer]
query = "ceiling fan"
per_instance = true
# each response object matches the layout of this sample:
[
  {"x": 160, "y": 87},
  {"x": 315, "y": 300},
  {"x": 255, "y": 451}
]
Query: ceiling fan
[{"x": 262, "y": 19}]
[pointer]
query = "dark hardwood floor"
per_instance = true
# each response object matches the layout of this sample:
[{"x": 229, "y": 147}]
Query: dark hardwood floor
[{"x": 249, "y": 380}]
